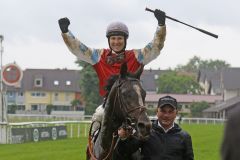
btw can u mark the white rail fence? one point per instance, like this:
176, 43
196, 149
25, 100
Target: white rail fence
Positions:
73, 128
44, 117
80, 127
202, 120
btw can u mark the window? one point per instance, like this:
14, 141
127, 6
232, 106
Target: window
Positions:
10, 94
68, 83
34, 107
20, 94
38, 94
56, 96
21, 107
56, 83
38, 82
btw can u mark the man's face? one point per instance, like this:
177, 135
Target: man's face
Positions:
117, 43
166, 115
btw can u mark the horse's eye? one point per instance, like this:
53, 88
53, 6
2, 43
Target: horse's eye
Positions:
127, 94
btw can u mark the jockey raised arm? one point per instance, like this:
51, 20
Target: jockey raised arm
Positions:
107, 62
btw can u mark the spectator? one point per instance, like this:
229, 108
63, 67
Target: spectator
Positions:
180, 119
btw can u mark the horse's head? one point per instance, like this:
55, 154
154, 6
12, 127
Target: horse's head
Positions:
128, 100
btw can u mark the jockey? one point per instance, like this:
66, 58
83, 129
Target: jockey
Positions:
107, 62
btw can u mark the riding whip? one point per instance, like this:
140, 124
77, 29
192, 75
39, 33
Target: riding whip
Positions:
201, 30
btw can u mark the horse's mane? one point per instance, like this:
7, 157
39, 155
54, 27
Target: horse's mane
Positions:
111, 80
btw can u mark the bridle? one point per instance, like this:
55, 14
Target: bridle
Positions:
123, 106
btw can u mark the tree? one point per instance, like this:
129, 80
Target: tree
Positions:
12, 108
76, 104
197, 108
49, 108
89, 87
196, 63
174, 82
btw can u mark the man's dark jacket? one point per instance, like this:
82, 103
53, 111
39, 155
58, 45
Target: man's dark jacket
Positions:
176, 144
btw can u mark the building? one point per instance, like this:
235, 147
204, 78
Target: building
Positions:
184, 100
230, 87
40, 88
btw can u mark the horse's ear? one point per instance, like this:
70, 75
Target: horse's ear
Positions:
123, 70
137, 73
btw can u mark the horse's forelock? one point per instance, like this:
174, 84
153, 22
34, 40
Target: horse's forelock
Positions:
124, 70
112, 79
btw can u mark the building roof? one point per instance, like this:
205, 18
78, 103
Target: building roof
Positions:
149, 77
213, 77
185, 98
49, 76
223, 105
231, 78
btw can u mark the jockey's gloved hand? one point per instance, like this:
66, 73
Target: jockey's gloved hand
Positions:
124, 133
161, 17
63, 24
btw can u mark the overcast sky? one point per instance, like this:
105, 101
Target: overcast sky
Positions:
32, 36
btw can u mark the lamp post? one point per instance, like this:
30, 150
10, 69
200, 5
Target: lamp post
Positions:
1, 83
3, 113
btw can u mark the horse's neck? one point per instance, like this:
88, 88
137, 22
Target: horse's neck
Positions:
108, 124
106, 133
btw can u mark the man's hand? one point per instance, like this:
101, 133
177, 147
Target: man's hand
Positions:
63, 24
123, 133
161, 17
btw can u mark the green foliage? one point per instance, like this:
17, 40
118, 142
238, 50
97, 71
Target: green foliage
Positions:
151, 111
75, 102
76, 105
197, 108
196, 63
49, 108
172, 82
12, 108
89, 88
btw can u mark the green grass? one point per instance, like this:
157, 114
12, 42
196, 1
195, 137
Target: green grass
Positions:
206, 144
68, 149
206, 140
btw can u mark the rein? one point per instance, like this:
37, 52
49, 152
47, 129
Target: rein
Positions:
90, 145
